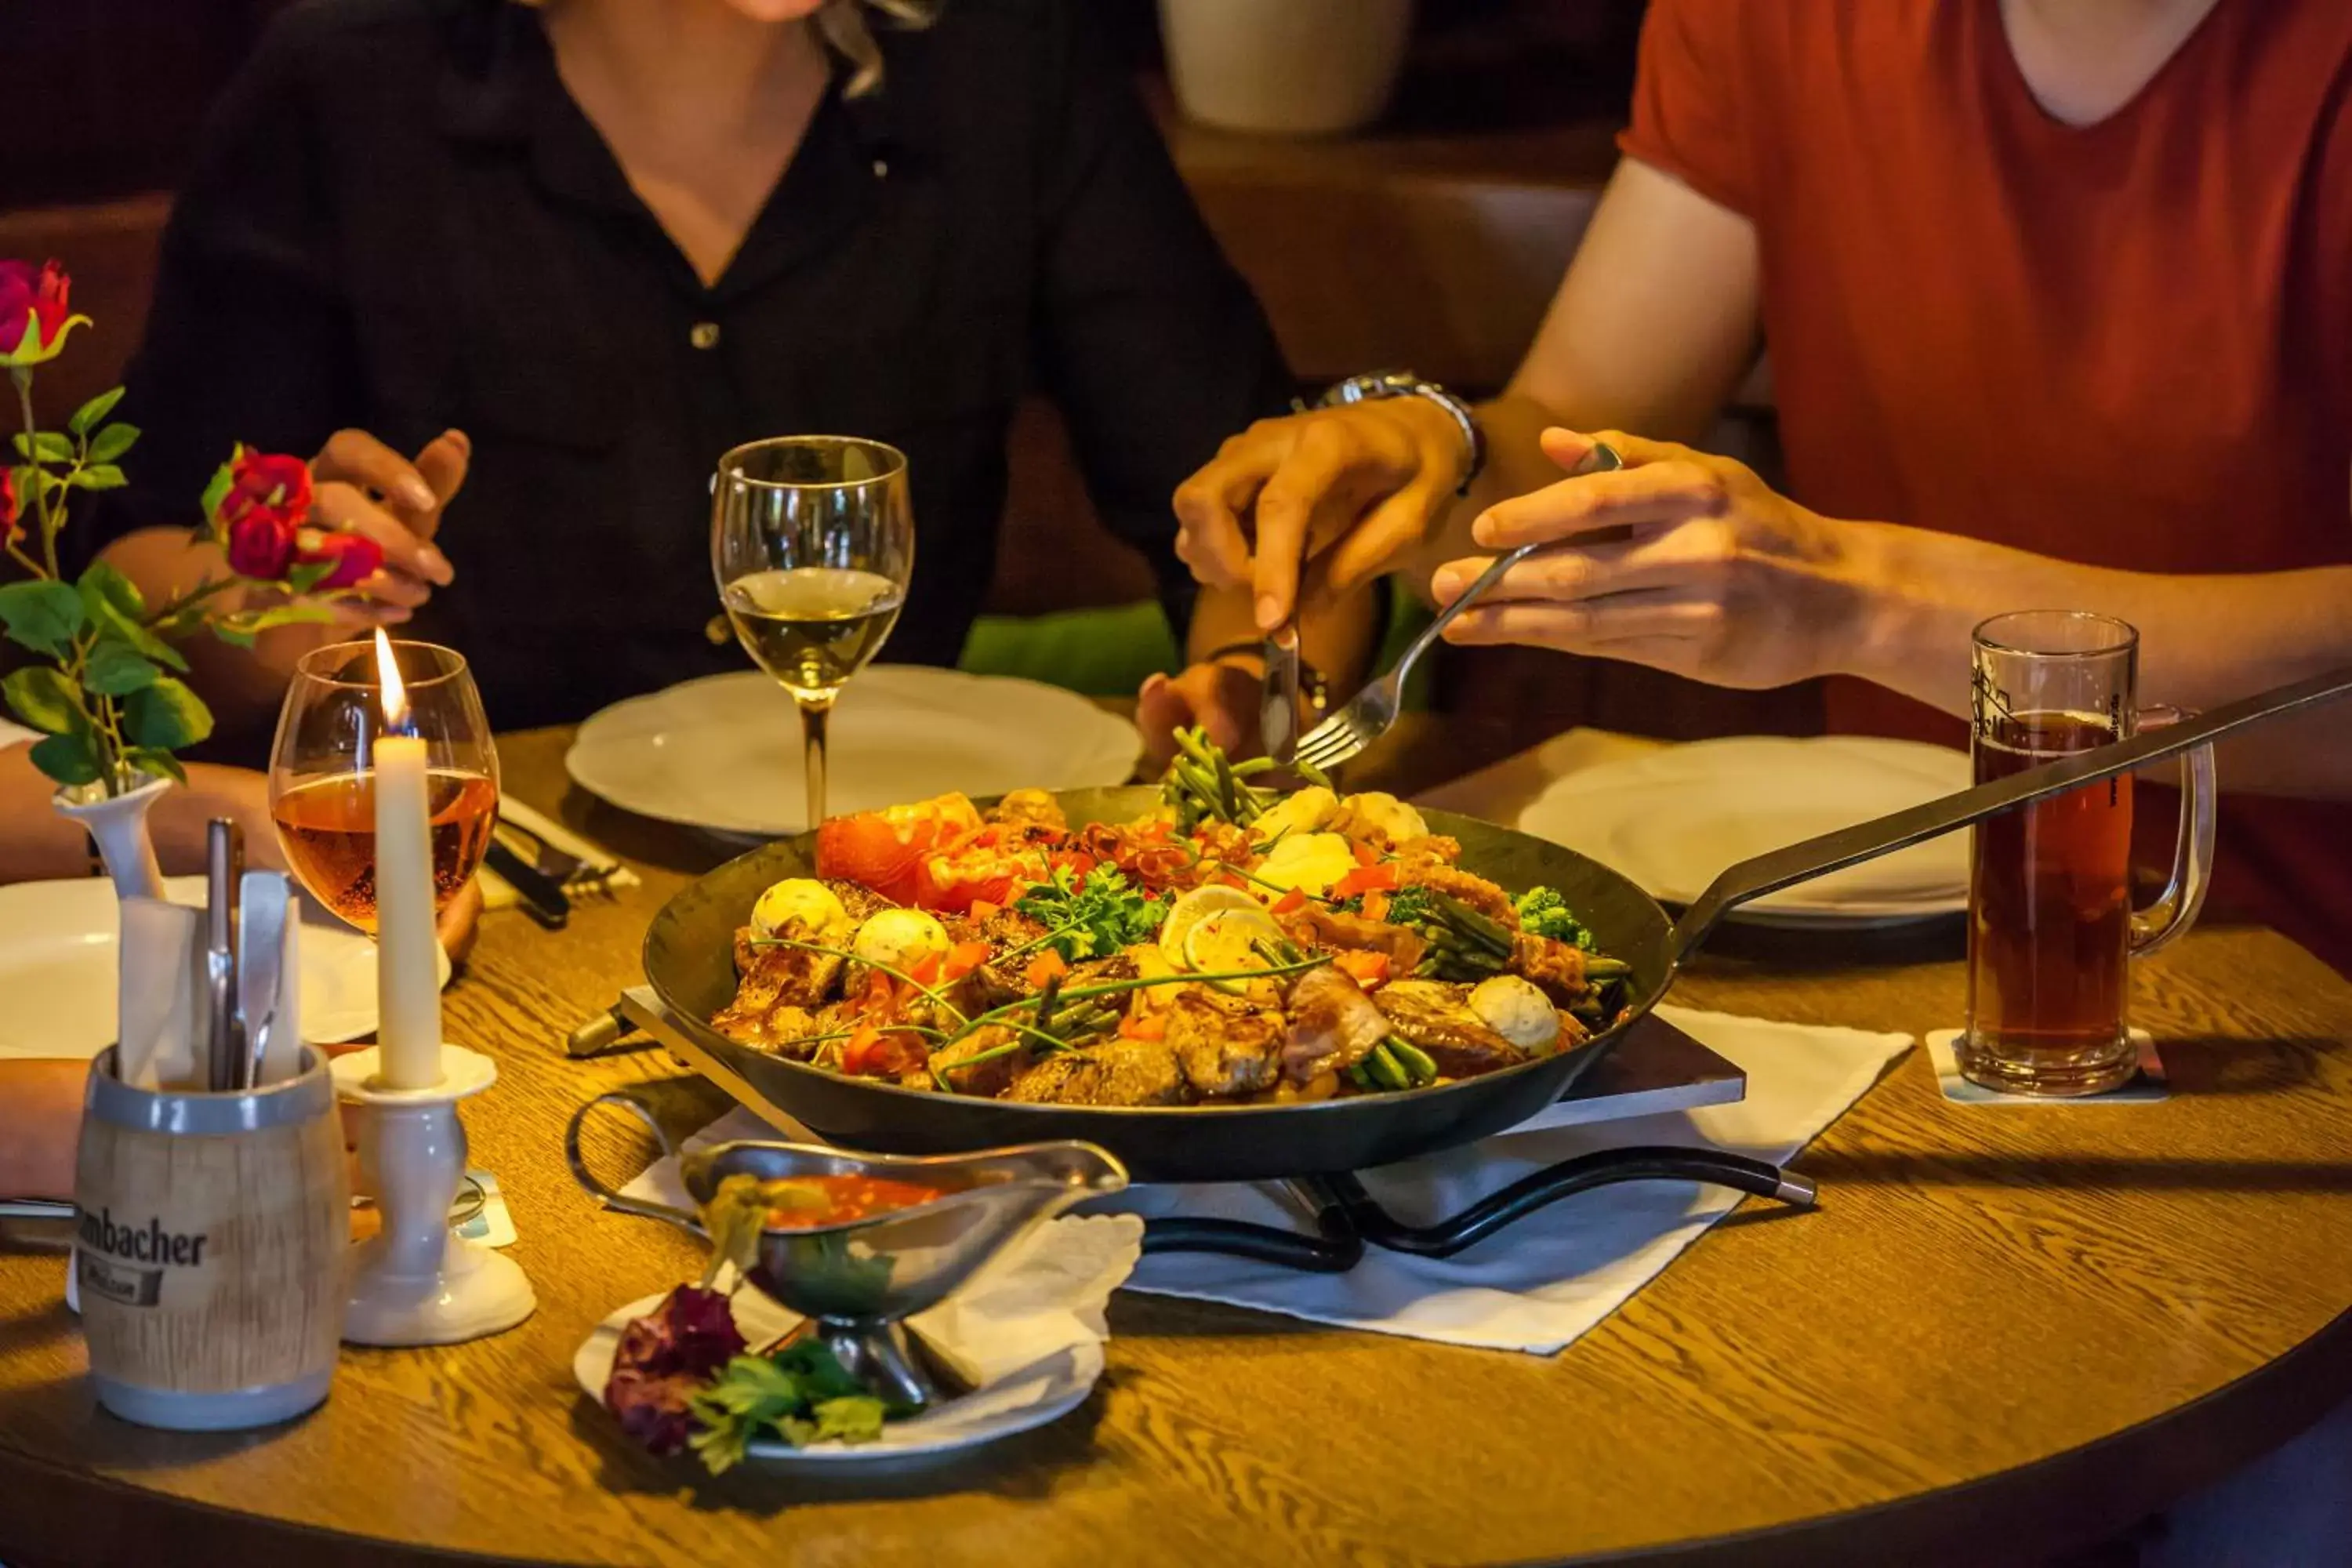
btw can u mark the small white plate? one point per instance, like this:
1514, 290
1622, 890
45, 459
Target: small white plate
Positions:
57, 969
1673, 818
724, 753
1044, 1391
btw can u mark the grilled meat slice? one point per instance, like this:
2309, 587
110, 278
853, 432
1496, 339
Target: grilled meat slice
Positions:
1554, 967
1466, 887
1033, 807
1333, 1025
791, 975
1009, 928
1117, 1072
990, 1078
1436, 1017
1224, 1047
862, 901
1315, 926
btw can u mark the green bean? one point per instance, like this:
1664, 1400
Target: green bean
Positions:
1313, 775
1606, 968
1253, 767
1383, 1068
1418, 1065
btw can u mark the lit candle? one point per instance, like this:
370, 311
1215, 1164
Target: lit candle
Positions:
408, 967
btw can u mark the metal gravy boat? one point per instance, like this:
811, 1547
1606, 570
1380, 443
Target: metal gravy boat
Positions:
857, 1281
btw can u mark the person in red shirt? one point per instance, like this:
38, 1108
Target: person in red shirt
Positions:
2058, 300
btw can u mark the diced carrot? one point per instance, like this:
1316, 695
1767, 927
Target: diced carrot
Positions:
1376, 905
860, 1054
962, 958
1366, 969
1291, 901
1367, 854
1376, 879
927, 973
1044, 967
1153, 1026
981, 909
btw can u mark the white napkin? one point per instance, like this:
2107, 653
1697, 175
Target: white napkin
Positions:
160, 956
1041, 1296
1547, 1280
270, 971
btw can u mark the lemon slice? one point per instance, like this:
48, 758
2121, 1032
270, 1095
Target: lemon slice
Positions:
1195, 907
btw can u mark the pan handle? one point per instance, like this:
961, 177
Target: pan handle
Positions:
1801, 862
685, 1220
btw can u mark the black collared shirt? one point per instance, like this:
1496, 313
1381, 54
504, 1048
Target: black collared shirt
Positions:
400, 221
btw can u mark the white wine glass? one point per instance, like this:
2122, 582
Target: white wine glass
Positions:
811, 540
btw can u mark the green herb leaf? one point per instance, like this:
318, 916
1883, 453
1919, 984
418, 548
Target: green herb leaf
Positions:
104, 584
111, 443
115, 608
86, 418
46, 447
216, 491
42, 697
853, 1418
301, 579
163, 765
167, 715
41, 615
1094, 917
98, 477
68, 759
117, 670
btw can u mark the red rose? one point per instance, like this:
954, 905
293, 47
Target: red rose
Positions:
261, 544
354, 555
34, 318
8, 529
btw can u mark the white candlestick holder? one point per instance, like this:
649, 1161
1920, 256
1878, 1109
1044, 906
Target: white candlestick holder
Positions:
415, 1282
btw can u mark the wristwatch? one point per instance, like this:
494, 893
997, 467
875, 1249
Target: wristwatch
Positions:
1385, 384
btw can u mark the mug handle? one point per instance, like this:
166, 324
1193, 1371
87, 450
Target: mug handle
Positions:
2175, 909
685, 1220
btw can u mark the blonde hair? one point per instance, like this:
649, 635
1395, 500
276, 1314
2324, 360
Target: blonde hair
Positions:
842, 25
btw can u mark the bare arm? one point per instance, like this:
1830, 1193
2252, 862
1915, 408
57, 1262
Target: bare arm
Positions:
40, 1123
37, 843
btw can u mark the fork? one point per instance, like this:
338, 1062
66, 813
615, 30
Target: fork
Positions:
1373, 711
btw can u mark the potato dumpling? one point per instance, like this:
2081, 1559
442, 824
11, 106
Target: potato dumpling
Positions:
805, 903
1308, 861
1304, 812
1385, 814
901, 939
1516, 1010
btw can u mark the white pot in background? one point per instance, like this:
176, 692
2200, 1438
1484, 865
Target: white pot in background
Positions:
1285, 67
119, 823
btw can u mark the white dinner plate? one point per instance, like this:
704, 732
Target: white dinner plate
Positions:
724, 753
57, 975
1044, 1391
1673, 818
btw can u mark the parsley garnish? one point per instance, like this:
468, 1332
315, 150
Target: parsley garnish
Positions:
1092, 917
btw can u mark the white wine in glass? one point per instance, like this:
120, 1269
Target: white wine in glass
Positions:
811, 540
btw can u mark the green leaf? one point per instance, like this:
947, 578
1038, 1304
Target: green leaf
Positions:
98, 477
112, 442
167, 715
87, 416
46, 447
160, 763
68, 759
117, 670
42, 616
103, 584
42, 697
301, 579
853, 1418
238, 630
216, 491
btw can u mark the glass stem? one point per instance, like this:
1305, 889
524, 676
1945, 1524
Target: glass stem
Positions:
814, 714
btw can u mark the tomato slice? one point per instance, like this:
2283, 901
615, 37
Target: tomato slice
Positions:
962, 958
1291, 902
1366, 969
1045, 966
1154, 1027
1380, 878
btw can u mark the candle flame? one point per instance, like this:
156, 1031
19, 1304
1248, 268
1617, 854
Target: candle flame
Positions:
387, 673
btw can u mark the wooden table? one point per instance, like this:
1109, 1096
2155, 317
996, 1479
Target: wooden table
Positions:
2005, 1332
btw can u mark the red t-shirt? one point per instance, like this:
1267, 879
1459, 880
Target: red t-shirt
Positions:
2127, 343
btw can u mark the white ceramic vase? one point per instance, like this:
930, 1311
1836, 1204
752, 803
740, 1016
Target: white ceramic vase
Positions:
118, 825
1286, 67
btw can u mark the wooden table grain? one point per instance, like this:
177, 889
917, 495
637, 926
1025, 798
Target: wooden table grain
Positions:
2005, 1332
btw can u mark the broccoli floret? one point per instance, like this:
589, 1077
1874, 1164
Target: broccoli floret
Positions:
1544, 913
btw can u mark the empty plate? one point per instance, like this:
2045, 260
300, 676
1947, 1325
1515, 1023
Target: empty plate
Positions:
1674, 818
724, 753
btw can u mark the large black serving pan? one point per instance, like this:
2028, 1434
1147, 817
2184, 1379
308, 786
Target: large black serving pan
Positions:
689, 960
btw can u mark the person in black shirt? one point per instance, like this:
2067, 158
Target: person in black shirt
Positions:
562, 257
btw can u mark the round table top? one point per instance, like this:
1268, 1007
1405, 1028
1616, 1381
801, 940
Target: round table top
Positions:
2014, 1328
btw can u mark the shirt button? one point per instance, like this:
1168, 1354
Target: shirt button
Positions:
704, 335
881, 168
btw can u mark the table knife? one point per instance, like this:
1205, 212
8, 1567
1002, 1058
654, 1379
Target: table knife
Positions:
1278, 712
223, 874
543, 896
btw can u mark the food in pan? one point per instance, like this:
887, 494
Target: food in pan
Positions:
1235, 945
